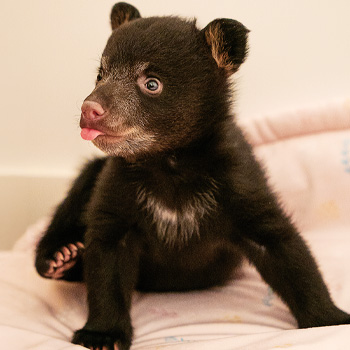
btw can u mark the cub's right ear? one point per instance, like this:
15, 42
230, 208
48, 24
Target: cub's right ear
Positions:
123, 13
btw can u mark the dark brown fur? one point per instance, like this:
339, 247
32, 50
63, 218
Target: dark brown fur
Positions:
180, 198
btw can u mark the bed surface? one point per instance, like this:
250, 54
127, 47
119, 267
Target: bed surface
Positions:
307, 155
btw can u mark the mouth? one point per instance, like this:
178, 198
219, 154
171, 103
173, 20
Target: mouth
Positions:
90, 134
123, 142
90, 131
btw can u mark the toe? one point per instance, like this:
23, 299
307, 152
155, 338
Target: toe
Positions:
59, 258
73, 250
66, 253
59, 263
52, 268
72, 247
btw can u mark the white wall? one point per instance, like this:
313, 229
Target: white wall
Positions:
299, 54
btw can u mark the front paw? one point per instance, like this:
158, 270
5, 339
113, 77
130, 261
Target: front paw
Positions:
102, 341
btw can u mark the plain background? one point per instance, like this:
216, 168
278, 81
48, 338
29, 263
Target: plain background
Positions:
299, 56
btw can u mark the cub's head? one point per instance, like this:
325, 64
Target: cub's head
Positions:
162, 82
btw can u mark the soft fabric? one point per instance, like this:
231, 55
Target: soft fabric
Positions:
307, 155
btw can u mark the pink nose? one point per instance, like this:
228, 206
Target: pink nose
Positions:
92, 110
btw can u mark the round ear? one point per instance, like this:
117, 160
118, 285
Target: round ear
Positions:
227, 39
122, 13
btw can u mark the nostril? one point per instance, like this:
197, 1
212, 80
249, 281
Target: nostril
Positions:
95, 114
92, 110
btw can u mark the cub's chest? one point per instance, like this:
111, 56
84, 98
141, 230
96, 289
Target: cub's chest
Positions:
179, 216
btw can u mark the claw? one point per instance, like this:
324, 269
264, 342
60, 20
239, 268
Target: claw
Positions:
59, 263
66, 253
73, 250
74, 254
80, 245
72, 247
59, 256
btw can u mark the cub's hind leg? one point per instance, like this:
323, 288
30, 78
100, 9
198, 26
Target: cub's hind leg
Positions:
59, 252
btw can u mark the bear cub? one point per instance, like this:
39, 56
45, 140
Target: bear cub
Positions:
179, 199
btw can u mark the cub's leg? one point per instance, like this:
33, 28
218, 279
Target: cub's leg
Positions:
110, 273
59, 252
272, 243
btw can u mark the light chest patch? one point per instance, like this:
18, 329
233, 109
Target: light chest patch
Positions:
174, 226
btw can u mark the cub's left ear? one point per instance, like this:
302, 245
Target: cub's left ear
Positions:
122, 13
227, 39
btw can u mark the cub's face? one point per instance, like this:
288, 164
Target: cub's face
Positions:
155, 91
162, 83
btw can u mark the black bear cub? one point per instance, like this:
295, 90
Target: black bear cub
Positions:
179, 199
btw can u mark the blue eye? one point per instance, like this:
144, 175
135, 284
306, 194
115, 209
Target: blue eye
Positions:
152, 85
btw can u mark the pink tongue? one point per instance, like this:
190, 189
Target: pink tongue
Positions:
90, 134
